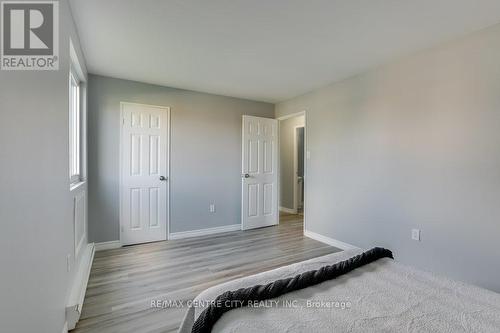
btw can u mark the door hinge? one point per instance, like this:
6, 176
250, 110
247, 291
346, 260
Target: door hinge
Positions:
123, 121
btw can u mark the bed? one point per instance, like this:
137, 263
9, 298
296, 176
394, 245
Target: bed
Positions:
382, 296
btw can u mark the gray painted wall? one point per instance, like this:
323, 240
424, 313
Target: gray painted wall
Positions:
287, 137
413, 144
205, 154
35, 201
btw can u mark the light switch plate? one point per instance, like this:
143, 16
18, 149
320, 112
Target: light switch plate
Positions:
415, 234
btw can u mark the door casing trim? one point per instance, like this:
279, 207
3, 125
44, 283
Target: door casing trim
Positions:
301, 113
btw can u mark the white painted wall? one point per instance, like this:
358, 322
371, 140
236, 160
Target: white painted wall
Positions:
36, 206
413, 144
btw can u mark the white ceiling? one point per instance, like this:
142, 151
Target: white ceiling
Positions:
267, 50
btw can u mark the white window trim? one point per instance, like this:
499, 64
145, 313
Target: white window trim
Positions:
76, 73
75, 162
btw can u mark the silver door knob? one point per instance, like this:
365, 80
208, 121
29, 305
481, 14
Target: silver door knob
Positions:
246, 175
162, 178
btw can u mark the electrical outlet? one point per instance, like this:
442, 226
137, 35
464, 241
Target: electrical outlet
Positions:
211, 208
415, 234
68, 262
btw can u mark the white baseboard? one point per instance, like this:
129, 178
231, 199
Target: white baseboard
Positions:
330, 241
204, 232
108, 245
79, 287
288, 210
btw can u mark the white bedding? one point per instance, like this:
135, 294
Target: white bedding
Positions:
384, 296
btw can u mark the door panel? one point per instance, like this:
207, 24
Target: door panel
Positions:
259, 161
253, 156
269, 154
154, 207
144, 154
135, 208
154, 155
253, 199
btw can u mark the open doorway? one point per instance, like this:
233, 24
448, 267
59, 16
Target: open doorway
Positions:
292, 168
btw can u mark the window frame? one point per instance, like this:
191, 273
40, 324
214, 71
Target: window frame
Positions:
75, 125
76, 77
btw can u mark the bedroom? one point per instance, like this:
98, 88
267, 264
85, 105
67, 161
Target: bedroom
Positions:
143, 165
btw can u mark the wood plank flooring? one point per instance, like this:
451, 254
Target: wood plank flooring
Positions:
124, 281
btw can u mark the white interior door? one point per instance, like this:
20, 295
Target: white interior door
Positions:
144, 173
259, 173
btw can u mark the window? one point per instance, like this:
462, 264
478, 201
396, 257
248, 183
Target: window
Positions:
74, 129
77, 121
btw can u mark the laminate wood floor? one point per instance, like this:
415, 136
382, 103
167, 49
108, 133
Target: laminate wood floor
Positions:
124, 281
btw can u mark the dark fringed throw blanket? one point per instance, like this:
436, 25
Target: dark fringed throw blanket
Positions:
241, 297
